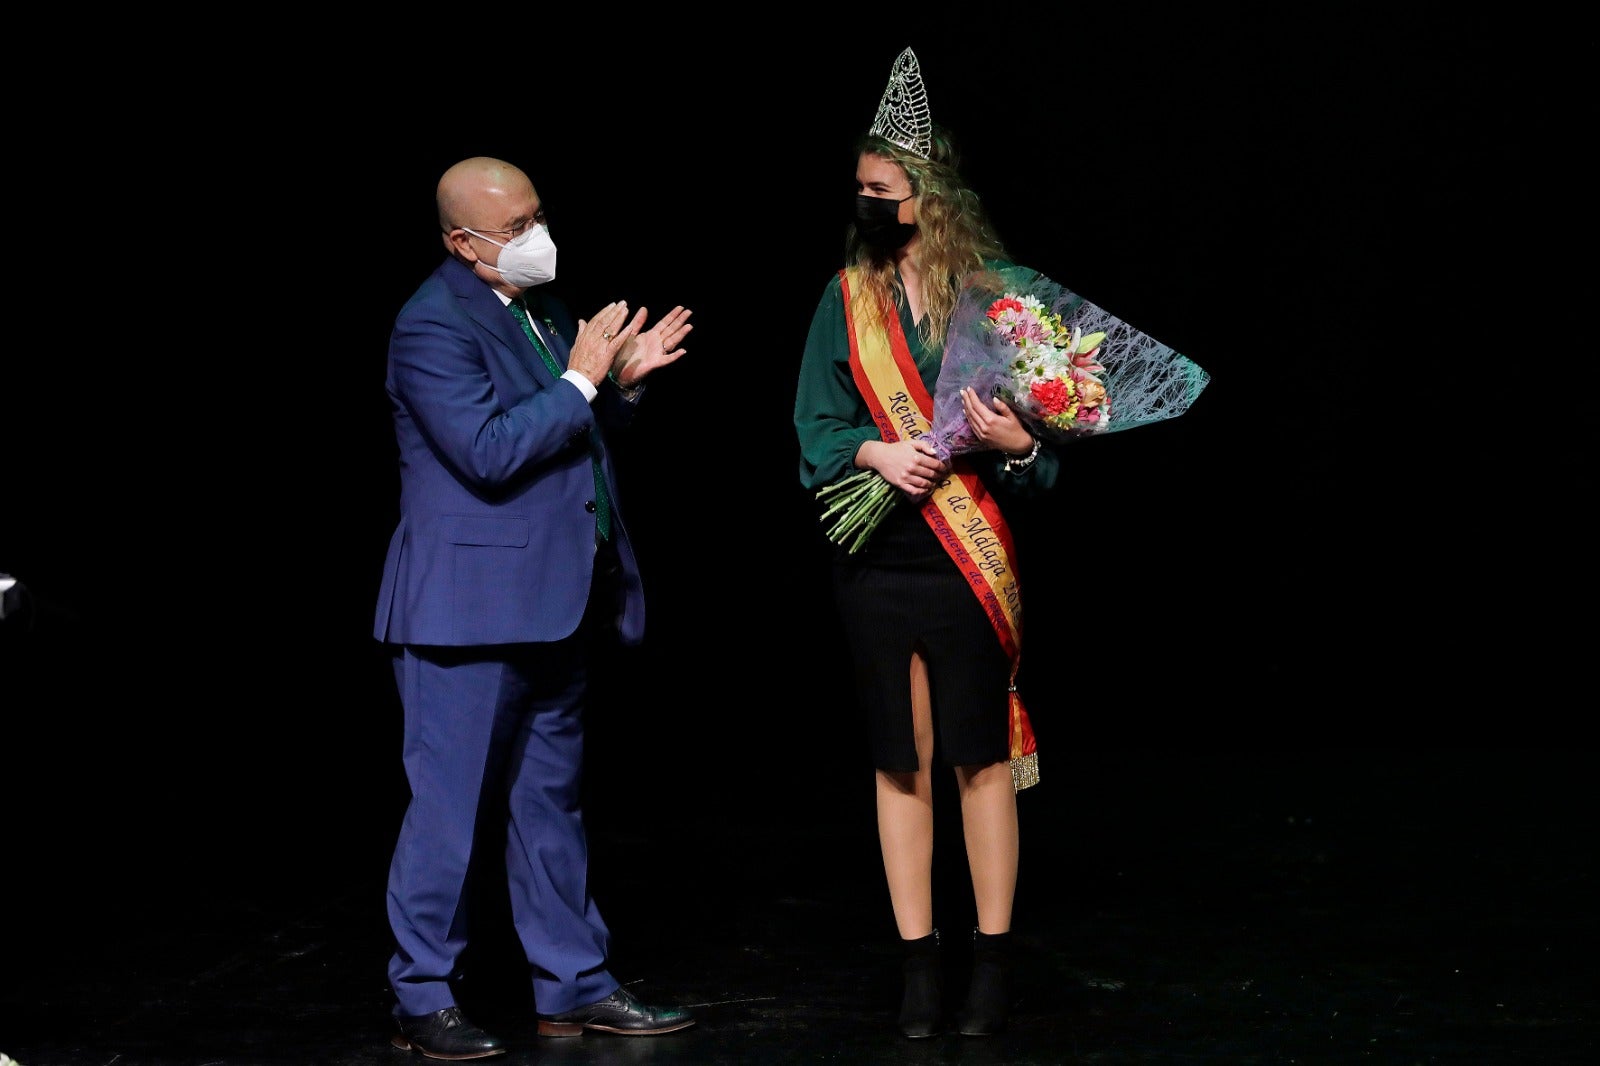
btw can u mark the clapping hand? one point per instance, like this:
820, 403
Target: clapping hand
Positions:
655, 347
601, 338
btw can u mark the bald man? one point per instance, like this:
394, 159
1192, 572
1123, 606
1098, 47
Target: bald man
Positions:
511, 559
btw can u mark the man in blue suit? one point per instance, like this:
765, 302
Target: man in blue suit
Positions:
510, 558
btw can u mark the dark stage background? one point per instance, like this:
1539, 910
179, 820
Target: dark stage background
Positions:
199, 478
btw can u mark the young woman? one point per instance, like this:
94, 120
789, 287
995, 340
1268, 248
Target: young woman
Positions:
929, 605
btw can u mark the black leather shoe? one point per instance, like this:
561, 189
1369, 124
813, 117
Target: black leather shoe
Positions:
445, 1034
617, 1013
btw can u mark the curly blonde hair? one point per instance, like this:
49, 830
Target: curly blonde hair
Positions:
957, 237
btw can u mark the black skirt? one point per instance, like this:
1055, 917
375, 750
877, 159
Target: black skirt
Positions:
902, 592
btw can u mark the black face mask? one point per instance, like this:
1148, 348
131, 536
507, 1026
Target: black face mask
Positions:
878, 223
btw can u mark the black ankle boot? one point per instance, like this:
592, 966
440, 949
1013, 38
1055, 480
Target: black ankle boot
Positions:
988, 996
922, 1007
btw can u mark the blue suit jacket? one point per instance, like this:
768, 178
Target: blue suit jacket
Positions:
496, 538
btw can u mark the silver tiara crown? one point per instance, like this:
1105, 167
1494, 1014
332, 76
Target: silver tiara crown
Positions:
903, 117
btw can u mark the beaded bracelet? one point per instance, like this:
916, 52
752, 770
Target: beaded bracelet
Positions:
1015, 464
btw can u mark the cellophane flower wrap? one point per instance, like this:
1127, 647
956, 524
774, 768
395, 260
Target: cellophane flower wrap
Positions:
1067, 367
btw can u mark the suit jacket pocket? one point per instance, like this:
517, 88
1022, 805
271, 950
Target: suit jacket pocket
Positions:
501, 531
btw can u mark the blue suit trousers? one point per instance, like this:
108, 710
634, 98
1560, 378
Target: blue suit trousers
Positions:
495, 732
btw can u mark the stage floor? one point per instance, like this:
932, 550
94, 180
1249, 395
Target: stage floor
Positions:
1362, 906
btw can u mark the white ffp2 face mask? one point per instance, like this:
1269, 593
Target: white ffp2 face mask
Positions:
529, 259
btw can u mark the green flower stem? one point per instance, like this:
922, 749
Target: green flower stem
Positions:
845, 502
864, 498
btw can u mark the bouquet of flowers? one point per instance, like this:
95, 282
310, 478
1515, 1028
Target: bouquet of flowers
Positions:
1067, 368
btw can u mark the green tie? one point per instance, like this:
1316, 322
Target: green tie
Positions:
602, 501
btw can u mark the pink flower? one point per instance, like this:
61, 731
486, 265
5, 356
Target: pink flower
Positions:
1088, 361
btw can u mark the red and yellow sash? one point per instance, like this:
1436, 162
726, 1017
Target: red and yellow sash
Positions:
961, 511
